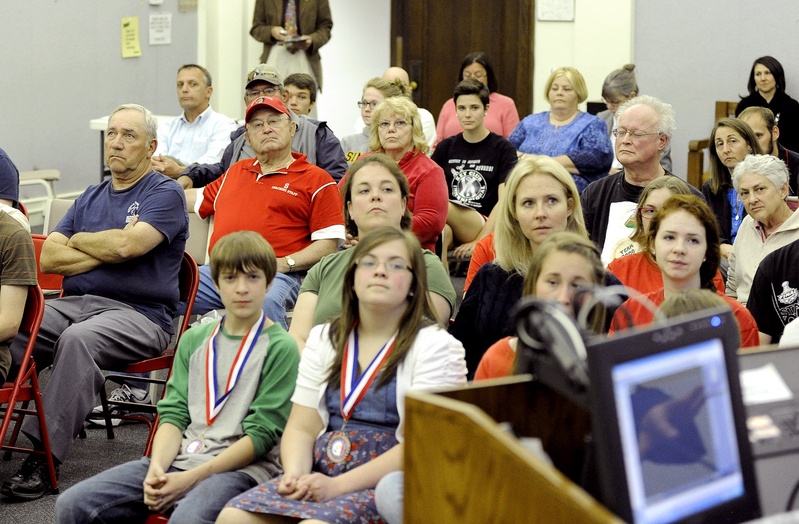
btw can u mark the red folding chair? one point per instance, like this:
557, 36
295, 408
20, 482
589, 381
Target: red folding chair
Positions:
50, 285
25, 388
49, 282
189, 282
22, 208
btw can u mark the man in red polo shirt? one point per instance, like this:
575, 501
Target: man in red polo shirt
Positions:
292, 203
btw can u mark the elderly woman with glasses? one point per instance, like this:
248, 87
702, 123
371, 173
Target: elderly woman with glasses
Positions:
762, 184
576, 140
396, 130
375, 91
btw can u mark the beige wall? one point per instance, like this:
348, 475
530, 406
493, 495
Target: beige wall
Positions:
598, 41
358, 50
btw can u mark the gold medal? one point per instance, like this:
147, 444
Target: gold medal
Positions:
338, 447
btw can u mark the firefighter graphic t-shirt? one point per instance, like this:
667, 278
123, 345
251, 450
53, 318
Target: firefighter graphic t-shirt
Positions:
474, 171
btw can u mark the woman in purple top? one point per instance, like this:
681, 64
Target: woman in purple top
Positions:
576, 140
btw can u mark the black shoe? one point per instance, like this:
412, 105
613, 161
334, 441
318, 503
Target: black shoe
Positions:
31, 480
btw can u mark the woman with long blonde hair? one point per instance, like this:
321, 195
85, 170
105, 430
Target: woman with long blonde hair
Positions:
540, 200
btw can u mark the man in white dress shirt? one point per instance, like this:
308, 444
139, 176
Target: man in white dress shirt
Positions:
199, 135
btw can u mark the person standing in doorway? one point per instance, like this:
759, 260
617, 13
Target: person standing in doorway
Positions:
298, 25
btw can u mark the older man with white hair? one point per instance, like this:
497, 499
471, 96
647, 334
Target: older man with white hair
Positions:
645, 128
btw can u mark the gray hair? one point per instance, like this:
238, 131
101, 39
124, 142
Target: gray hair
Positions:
768, 166
620, 82
150, 122
666, 121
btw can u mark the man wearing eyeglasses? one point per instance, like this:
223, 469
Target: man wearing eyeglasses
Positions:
645, 128
292, 203
312, 138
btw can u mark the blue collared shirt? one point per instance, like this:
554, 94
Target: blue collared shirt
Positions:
202, 141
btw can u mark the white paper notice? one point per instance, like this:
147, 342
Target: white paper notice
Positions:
160, 28
764, 385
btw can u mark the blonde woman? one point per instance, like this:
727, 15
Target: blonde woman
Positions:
576, 140
375, 91
540, 200
513, 245
396, 130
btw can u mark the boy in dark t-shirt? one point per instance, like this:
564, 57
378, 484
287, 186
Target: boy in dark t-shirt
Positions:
476, 164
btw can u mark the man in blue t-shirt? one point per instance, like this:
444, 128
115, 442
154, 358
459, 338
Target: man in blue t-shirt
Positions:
119, 248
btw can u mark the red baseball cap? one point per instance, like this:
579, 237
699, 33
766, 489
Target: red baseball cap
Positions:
265, 101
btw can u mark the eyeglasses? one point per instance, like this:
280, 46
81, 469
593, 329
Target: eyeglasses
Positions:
393, 264
634, 134
647, 211
398, 124
364, 103
273, 122
267, 91
479, 75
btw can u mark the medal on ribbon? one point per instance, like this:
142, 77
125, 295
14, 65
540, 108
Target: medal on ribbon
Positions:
353, 389
338, 447
213, 401
195, 446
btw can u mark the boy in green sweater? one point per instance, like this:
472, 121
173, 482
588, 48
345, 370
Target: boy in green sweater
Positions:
223, 413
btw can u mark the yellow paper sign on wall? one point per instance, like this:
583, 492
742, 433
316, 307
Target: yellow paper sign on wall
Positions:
131, 48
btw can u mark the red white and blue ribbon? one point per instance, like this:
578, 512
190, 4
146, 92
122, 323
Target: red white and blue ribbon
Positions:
213, 401
354, 387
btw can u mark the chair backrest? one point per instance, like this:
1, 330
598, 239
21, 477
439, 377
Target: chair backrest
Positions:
55, 211
725, 109
189, 282
29, 325
34, 312
199, 235
49, 282
24, 210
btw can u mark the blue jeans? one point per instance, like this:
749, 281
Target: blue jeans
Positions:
282, 295
117, 495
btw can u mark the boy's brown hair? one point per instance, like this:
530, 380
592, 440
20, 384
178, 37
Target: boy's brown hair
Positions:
242, 252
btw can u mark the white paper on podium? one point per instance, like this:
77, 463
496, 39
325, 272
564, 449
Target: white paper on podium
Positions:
764, 385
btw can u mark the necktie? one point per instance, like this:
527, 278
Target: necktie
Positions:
291, 17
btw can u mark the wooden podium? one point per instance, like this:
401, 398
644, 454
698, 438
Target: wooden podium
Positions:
462, 467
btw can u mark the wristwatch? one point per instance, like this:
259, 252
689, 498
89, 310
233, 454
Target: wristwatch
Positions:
290, 261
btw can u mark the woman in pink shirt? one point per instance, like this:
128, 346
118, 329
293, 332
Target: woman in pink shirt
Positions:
502, 116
